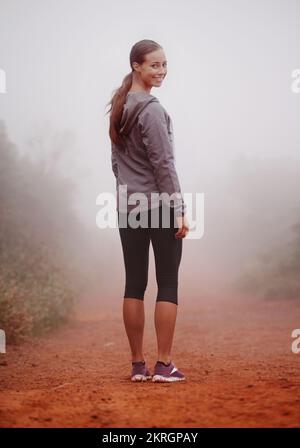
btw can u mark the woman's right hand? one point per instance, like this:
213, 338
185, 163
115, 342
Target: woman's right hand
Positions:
183, 225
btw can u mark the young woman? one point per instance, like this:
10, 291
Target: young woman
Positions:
143, 162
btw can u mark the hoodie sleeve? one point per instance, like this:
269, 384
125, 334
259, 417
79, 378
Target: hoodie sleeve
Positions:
114, 163
160, 151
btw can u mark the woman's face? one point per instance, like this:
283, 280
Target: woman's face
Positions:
154, 69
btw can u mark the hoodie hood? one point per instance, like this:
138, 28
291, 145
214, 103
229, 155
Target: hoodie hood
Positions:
135, 103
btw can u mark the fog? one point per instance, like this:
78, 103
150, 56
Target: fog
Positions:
228, 92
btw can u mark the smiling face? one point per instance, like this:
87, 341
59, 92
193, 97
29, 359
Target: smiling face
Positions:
153, 70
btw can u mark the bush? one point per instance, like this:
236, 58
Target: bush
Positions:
38, 228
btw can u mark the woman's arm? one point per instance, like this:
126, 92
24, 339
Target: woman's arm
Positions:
159, 148
114, 163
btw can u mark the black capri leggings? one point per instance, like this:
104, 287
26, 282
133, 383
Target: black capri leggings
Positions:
167, 253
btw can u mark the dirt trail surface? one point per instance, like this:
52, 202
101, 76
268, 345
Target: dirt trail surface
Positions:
236, 354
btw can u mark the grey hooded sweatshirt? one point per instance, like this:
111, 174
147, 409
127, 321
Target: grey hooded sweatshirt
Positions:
147, 165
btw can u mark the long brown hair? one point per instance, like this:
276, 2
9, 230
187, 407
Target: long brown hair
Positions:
137, 54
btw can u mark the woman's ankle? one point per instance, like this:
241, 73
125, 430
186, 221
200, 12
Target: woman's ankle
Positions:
138, 359
163, 359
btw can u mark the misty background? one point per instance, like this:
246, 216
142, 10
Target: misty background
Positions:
235, 119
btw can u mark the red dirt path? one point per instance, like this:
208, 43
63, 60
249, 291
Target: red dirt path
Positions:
236, 354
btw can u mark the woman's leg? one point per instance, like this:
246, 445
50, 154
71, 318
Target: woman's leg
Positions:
135, 245
167, 252
165, 319
134, 320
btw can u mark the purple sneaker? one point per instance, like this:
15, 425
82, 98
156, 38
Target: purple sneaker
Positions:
163, 373
140, 371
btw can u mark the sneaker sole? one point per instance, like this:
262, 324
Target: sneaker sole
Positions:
140, 377
166, 379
